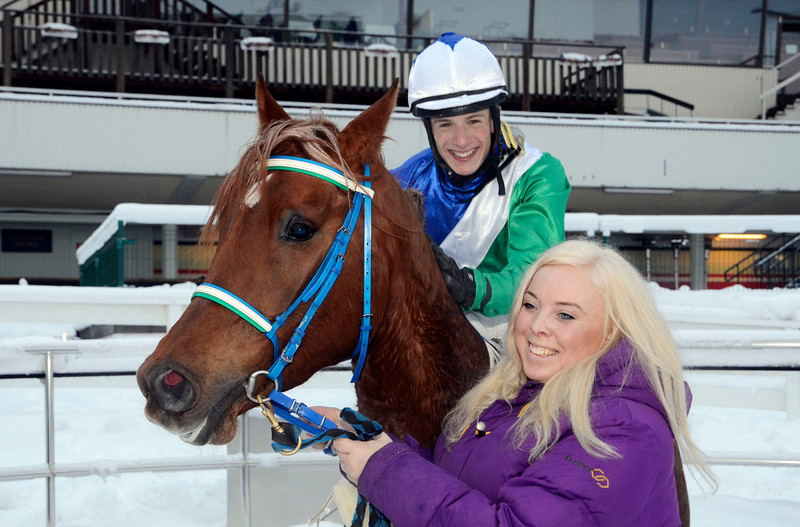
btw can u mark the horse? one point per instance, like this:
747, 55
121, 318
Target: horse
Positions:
273, 225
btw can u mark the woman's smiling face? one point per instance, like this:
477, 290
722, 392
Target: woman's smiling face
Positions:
561, 321
463, 141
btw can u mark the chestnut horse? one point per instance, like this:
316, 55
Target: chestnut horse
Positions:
274, 226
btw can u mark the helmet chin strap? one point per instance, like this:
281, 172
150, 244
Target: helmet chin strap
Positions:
490, 163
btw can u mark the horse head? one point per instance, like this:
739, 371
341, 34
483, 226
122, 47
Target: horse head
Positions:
278, 220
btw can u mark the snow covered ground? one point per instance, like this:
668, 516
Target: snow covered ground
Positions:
101, 421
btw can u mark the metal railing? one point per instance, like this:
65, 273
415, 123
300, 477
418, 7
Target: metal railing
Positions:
774, 264
245, 461
52, 470
662, 99
111, 54
781, 85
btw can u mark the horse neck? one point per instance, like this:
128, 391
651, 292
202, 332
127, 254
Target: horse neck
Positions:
424, 354
418, 367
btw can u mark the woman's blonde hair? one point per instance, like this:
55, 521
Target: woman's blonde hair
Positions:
631, 313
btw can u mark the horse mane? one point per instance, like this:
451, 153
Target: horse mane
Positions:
313, 138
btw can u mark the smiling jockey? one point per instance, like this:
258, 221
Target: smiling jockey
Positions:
493, 203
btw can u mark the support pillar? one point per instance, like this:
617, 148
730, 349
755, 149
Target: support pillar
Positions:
169, 251
699, 259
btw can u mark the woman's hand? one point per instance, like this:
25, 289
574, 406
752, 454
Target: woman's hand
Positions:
353, 455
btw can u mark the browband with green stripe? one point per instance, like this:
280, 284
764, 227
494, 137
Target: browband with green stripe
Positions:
312, 168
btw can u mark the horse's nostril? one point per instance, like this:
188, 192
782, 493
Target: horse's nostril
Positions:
176, 396
171, 390
173, 379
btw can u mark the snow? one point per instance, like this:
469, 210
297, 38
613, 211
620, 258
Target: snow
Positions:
699, 224
55, 29
584, 61
102, 436
257, 44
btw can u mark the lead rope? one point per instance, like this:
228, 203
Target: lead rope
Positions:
287, 440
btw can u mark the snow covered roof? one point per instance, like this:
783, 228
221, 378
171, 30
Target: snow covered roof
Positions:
142, 214
699, 224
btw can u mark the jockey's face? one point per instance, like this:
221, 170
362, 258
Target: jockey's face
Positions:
463, 141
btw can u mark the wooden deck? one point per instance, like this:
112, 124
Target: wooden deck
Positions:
121, 54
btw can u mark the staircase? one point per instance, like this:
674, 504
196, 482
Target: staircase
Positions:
776, 263
791, 112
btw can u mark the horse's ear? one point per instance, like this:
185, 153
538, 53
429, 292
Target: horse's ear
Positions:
268, 108
362, 137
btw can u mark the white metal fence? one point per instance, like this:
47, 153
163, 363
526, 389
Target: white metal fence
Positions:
244, 459
761, 347
241, 457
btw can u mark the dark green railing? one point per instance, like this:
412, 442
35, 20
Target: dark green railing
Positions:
106, 267
776, 263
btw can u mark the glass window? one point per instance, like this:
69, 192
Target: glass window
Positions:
621, 23
27, 241
499, 19
783, 37
381, 17
706, 31
605, 23
683, 31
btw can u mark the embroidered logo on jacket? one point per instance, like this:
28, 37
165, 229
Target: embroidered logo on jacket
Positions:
596, 473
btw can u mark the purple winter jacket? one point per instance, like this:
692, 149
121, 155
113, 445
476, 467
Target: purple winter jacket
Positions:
484, 481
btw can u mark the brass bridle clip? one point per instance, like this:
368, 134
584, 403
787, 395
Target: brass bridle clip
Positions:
280, 435
283, 434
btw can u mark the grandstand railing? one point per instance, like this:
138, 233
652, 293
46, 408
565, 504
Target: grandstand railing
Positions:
125, 54
658, 245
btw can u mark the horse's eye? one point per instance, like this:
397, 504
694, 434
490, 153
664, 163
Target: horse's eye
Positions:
298, 231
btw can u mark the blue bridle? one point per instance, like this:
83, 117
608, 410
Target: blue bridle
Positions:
316, 290
287, 440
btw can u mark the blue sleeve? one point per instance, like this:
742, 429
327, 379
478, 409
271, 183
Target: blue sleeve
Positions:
408, 172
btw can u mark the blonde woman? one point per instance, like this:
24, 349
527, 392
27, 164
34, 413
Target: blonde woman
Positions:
575, 425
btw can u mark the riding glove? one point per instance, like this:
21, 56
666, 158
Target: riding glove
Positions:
460, 281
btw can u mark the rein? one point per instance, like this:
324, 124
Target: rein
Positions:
316, 291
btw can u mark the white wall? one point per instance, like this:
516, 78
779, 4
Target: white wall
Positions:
715, 91
59, 264
170, 138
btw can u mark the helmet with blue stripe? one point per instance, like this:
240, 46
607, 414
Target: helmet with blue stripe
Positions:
455, 75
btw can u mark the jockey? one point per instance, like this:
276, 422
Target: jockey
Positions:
493, 203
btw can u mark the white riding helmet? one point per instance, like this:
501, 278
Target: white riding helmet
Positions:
454, 75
